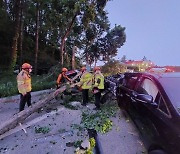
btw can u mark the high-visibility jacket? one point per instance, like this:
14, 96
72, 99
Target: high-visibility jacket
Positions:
62, 78
86, 80
24, 82
98, 80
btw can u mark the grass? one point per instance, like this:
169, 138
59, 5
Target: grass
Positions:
8, 84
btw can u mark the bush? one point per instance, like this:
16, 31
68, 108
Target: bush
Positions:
8, 84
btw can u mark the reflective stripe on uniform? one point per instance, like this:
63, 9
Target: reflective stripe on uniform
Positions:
24, 82
86, 80
98, 81
20, 82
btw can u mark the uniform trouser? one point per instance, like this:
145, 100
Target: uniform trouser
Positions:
98, 99
85, 96
24, 99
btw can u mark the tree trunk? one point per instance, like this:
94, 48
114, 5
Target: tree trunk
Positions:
15, 38
62, 51
37, 37
87, 59
64, 39
95, 62
21, 33
5, 4
74, 49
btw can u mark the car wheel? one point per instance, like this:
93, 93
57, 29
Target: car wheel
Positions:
157, 151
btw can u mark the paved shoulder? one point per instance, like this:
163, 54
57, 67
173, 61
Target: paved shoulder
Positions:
123, 138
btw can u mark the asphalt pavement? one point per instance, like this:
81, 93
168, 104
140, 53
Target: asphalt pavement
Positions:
122, 139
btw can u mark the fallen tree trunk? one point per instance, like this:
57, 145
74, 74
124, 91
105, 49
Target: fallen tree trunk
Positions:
29, 123
21, 116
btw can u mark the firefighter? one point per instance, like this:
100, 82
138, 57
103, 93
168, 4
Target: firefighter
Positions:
62, 78
98, 86
85, 84
24, 85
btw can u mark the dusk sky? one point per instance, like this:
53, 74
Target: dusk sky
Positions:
152, 29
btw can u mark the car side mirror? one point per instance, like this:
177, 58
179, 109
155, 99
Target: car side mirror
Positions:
144, 98
148, 99
154, 104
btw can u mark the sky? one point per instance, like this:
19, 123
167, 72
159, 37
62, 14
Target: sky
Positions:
152, 29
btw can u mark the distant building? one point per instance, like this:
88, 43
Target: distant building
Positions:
139, 65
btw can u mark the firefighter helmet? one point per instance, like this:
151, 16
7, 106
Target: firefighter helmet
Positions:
64, 69
96, 68
83, 68
26, 66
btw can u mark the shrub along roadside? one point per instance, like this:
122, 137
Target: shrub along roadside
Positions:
8, 84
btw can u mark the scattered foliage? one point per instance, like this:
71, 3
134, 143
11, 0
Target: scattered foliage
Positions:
43, 130
100, 121
53, 142
61, 130
77, 143
92, 145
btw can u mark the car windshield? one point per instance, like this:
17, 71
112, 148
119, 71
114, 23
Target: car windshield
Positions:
172, 88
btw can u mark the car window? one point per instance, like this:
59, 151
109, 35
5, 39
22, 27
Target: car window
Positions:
162, 106
148, 87
171, 86
130, 82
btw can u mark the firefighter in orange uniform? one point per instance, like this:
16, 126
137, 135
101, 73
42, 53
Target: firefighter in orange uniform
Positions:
62, 78
24, 85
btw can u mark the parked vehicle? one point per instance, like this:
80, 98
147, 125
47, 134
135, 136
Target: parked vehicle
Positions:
110, 85
153, 102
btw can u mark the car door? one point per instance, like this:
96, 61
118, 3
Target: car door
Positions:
158, 119
124, 90
163, 122
145, 86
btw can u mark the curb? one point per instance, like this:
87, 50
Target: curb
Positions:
16, 97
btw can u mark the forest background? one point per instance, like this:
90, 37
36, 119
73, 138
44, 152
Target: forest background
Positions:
48, 33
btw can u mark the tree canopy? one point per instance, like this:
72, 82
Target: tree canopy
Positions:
113, 67
44, 32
